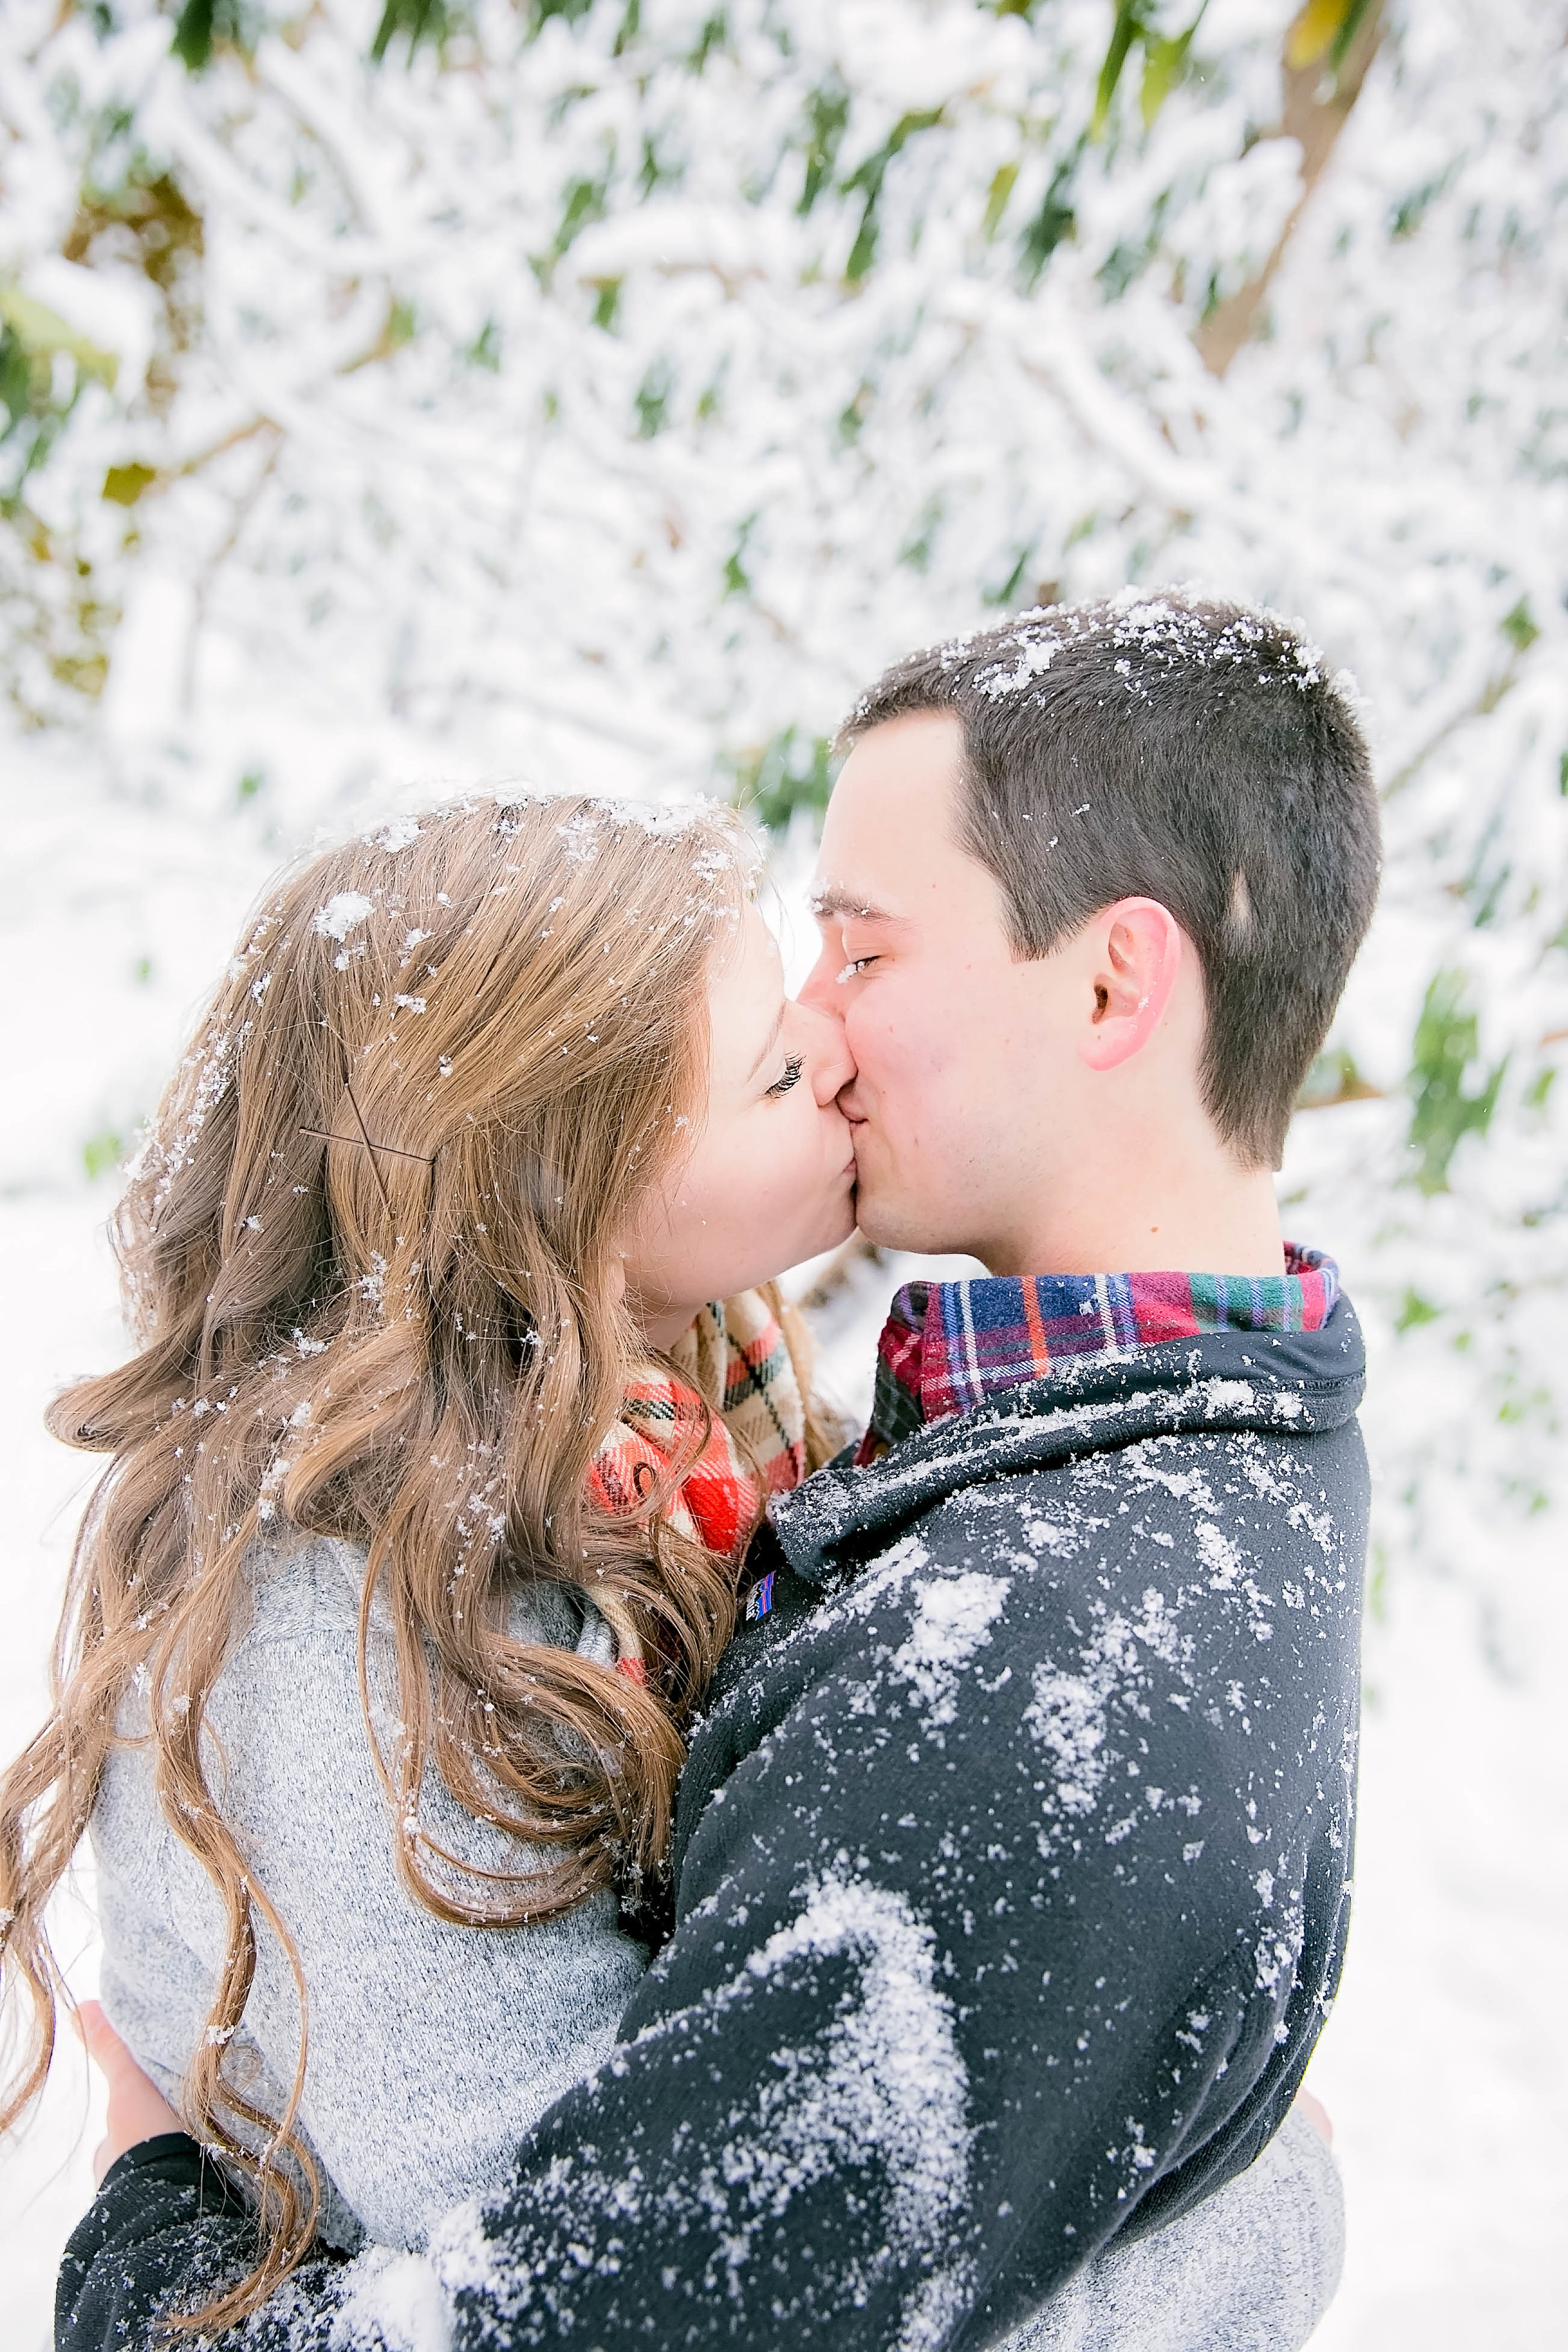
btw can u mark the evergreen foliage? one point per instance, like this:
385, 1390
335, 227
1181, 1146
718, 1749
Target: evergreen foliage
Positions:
606, 389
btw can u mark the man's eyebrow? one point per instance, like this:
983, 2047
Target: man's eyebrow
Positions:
835, 901
769, 1041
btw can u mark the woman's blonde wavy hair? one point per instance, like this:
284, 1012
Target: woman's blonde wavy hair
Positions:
369, 1259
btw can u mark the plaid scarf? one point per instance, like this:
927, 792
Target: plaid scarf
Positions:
948, 1346
734, 1360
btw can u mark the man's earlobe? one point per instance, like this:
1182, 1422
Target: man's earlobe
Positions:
1137, 948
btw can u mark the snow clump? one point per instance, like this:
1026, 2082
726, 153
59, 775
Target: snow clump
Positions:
343, 912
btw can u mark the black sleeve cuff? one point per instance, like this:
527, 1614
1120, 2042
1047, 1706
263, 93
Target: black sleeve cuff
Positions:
175, 2160
174, 2157
165, 2219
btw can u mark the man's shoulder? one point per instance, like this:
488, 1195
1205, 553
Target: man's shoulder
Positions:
1271, 1416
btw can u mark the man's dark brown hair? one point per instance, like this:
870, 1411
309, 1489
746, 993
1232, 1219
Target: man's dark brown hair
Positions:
1166, 746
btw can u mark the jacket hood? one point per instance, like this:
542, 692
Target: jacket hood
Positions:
1282, 1384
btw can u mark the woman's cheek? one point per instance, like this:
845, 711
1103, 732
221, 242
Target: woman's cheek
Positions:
780, 1184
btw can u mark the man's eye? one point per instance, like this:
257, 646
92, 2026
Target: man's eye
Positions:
794, 1064
854, 964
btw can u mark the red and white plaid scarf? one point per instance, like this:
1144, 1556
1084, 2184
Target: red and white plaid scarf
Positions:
734, 1359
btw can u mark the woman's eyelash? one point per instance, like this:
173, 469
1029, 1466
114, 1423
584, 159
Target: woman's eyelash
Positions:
854, 964
794, 1064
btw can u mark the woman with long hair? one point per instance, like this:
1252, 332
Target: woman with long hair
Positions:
459, 1386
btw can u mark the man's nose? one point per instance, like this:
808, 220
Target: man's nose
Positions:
821, 992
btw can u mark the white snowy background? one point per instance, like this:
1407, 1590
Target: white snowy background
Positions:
600, 394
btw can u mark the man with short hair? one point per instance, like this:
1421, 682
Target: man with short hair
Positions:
1013, 1855
1090, 885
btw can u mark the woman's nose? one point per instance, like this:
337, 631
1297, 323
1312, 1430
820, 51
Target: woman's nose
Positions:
832, 1063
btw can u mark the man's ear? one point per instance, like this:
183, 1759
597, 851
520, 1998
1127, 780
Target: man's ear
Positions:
1135, 955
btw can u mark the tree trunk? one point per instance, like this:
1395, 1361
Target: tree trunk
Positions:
1318, 98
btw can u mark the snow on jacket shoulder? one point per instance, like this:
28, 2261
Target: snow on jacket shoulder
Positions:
1013, 1865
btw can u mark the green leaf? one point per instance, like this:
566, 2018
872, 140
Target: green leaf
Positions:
1131, 25
1007, 593
1411, 211
737, 579
1164, 62
123, 485
713, 35
996, 200
201, 25
42, 333
418, 21
1054, 220
1446, 1044
1350, 26
863, 252
654, 172
484, 351
570, 11
916, 551
1377, 1589
193, 41
102, 1153
585, 202
852, 416
792, 770
1519, 627
826, 114
1322, 29
868, 179
651, 399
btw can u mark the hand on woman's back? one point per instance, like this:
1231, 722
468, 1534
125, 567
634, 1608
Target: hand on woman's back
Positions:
137, 2108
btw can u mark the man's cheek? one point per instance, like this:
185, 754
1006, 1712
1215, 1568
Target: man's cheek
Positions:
891, 1028
918, 1051
894, 1077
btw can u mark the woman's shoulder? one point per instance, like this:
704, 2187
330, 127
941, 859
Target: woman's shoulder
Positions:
300, 1587
297, 1584
289, 1685
286, 1724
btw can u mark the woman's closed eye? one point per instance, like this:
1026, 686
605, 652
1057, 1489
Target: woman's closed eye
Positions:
855, 965
794, 1064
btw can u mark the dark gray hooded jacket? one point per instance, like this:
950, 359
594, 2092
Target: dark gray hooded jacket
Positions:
1013, 1867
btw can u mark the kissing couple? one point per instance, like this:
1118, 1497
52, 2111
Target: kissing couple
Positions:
584, 1855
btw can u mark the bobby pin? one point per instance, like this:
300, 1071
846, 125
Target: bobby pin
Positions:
361, 1141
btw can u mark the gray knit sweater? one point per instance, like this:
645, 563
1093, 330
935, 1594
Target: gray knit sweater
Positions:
433, 2048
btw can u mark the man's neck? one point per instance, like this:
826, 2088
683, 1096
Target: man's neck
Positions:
1228, 1221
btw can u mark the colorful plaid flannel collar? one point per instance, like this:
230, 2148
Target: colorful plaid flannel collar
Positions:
948, 1346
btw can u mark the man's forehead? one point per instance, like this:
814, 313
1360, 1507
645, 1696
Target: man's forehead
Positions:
889, 832
888, 873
